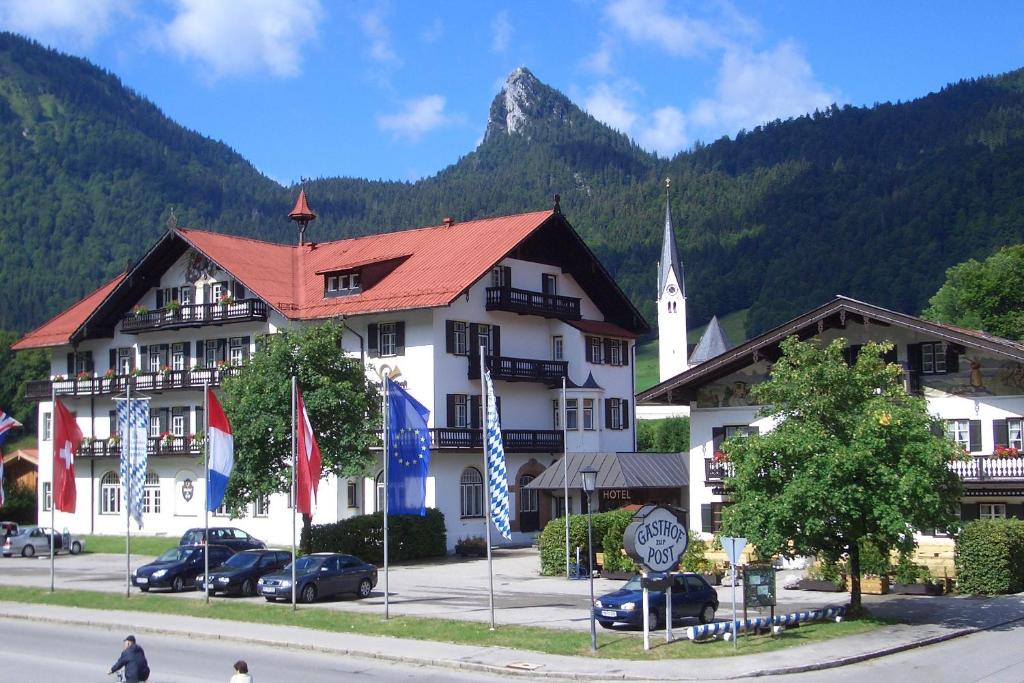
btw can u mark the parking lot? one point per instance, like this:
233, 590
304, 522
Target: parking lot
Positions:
451, 588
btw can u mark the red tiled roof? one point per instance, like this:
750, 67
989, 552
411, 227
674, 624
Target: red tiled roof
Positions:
58, 330
602, 328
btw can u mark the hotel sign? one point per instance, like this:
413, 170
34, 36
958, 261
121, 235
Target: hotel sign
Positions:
656, 538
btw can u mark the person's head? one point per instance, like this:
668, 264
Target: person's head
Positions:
241, 667
129, 641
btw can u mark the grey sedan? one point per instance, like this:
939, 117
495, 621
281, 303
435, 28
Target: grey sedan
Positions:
31, 541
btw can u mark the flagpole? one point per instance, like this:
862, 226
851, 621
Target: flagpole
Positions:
487, 483
565, 477
387, 429
53, 474
295, 494
126, 485
206, 507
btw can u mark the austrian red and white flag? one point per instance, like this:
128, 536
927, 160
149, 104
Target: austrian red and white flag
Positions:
307, 478
66, 439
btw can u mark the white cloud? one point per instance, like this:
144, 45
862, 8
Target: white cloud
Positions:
665, 132
78, 22
501, 32
756, 87
417, 117
600, 60
238, 37
647, 21
608, 105
379, 36
433, 31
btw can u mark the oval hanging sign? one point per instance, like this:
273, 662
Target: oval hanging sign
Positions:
656, 538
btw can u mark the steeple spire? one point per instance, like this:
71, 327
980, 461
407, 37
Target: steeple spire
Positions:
669, 255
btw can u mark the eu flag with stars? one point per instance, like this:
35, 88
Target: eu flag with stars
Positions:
408, 453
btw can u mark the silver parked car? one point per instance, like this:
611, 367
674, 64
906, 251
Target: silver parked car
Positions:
35, 540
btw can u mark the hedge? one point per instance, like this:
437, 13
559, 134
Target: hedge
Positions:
409, 537
552, 539
990, 557
20, 505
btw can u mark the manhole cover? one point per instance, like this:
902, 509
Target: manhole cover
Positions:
523, 666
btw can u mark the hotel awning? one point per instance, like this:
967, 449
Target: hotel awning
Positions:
619, 471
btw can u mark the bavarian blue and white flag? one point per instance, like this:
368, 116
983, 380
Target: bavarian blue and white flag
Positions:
133, 428
497, 476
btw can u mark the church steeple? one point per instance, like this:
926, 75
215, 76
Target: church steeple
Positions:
672, 345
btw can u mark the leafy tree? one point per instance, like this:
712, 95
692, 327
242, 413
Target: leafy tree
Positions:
16, 370
668, 435
984, 295
343, 407
853, 459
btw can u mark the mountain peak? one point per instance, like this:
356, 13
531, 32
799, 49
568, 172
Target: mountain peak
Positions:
521, 100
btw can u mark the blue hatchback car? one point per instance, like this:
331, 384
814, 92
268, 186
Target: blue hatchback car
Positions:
692, 596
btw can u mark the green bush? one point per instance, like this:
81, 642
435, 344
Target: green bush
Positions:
615, 560
20, 505
694, 559
552, 540
990, 557
907, 571
410, 537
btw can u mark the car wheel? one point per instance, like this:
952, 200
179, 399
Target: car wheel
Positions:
654, 620
28, 551
605, 624
144, 589
76, 548
248, 588
177, 585
309, 593
270, 599
707, 614
365, 588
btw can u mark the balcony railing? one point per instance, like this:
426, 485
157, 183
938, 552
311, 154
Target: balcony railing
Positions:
175, 445
513, 440
195, 315
532, 303
988, 468
118, 384
520, 369
716, 472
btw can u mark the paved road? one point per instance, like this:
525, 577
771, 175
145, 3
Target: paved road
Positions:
55, 653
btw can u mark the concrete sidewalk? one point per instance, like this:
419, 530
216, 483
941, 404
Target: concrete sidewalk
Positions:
1004, 612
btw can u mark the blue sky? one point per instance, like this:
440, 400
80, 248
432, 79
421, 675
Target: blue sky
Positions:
401, 89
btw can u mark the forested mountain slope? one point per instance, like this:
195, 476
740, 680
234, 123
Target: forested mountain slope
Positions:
871, 202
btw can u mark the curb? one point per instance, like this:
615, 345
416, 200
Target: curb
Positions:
464, 665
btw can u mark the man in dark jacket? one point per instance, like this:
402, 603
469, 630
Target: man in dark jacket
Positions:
133, 660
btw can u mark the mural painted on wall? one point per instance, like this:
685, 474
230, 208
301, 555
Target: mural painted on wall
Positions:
733, 392
978, 376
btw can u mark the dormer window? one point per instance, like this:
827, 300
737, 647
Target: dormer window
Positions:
342, 284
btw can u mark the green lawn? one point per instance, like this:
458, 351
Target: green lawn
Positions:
141, 545
611, 644
646, 370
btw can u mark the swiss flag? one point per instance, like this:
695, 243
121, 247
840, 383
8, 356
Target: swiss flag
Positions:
66, 439
308, 460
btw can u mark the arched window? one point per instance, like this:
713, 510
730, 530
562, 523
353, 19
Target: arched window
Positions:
471, 489
151, 494
527, 497
110, 494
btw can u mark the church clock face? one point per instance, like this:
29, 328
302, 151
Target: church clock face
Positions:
671, 289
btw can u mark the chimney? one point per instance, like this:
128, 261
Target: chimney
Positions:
302, 216
448, 221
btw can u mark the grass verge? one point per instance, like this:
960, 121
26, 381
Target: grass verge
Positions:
611, 644
141, 545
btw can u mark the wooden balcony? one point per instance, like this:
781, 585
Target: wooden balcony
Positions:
520, 369
989, 468
513, 440
525, 302
716, 472
118, 384
175, 445
195, 315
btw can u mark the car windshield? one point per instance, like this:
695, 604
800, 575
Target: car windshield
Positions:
242, 560
632, 585
305, 564
176, 555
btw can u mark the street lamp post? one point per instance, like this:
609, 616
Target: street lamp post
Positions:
589, 476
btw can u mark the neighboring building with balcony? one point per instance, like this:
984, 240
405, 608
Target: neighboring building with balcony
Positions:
419, 301
972, 381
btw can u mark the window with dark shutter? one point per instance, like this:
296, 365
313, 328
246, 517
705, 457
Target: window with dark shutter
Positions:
625, 414
159, 298
914, 368
201, 353
449, 336
474, 412
450, 411
975, 436
717, 437
371, 341
969, 512
400, 338
625, 352
246, 341
495, 340
607, 344
1000, 433
706, 519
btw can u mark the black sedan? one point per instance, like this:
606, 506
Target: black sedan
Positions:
178, 567
228, 536
242, 570
320, 575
